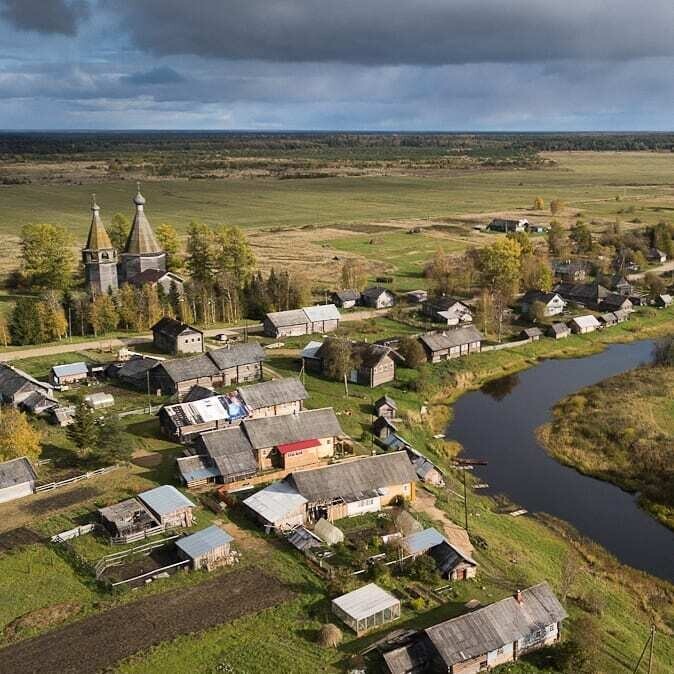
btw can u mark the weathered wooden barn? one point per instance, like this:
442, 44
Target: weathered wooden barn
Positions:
581, 325
447, 310
378, 298
16, 385
273, 398
278, 506
346, 299
206, 549
451, 344
320, 318
176, 337
558, 331
386, 407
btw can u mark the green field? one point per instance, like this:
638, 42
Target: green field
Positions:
588, 182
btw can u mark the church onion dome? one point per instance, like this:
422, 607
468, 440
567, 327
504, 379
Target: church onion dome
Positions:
98, 238
142, 240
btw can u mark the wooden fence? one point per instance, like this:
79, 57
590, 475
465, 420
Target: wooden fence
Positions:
71, 480
155, 572
116, 558
73, 533
506, 345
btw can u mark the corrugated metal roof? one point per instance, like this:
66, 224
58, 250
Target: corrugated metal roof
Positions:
296, 446
366, 601
275, 392
421, 541
322, 312
165, 499
195, 468
274, 502
16, 471
496, 625
204, 541
70, 369
311, 349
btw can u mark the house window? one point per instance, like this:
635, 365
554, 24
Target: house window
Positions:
499, 651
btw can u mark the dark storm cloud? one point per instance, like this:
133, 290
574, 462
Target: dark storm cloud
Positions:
160, 75
400, 31
45, 16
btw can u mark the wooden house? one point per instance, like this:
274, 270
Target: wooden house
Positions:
17, 479
136, 372
68, 374
321, 318
531, 334
206, 549
346, 299
619, 283
283, 442
656, 255
486, 638
570, 271
621, 316
366, 608
616, 302
452, 563
589, 295
447, 310
273, 398
233, 364
558, 331
377, 298
374, 364
386, 407
451, 344
553, 303
169, 507
355, 487
16, 385
176, 337
581, 325
608, 319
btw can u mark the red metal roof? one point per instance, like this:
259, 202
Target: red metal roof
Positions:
296, 446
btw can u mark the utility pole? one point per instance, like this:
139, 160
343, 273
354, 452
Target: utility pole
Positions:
465, 465
649, 642
149, 399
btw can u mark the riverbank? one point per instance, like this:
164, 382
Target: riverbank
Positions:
621, 431
443, 383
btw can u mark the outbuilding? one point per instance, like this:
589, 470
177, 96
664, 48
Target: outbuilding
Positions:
386, 407
279, 506
378, 298
383, 427
663, 301
328, 532
346, 299
99, 401
451, 344
559, 331
17, 479
581, 325
531, 334
366, 608
206, 549
172, 336
69, 373
169, 506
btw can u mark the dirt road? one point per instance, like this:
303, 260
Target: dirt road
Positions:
114, 344
456, 535
661, 269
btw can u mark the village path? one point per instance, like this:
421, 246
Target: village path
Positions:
456, 535
661, 269
117, 343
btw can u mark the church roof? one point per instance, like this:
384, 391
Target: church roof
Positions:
98, 237
142, 240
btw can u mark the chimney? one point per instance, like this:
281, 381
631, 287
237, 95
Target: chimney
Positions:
518, 597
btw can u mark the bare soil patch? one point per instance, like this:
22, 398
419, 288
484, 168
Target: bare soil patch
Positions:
135, 567
63, 500
98, 642
147, 460
41, 619
18, 538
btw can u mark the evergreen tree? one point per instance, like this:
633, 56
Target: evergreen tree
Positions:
84, 431
113, 446
25, 326
255, 293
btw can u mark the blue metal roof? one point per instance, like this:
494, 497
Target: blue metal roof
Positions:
420, 541
70, 369
165, 499
204, 541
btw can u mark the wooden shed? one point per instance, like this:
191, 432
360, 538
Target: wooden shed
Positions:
206, 549
17, 479
169, 506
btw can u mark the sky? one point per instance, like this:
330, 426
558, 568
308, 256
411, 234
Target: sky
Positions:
417, 65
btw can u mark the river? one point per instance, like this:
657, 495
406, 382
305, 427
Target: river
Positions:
498, 424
